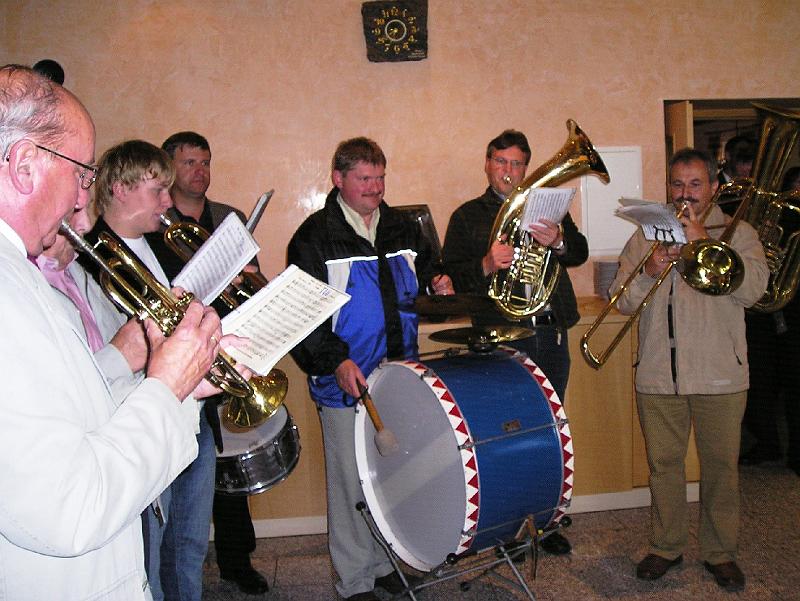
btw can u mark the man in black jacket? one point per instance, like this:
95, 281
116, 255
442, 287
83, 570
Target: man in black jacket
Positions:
471, 266
234, 535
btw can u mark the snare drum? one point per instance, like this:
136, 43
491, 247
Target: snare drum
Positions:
484, 443
255, 460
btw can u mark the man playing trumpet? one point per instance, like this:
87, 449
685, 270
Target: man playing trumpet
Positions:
692, 370
133, 184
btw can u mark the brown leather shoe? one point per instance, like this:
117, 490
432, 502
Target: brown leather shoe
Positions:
727, 575
654, 567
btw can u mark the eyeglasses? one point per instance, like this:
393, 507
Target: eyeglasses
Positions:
501, 162
86, 179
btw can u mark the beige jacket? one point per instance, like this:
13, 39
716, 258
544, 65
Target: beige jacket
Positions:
711, 355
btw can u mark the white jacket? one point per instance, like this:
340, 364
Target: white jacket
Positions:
75, 470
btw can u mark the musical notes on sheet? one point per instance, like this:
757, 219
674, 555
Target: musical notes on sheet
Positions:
279, 316
657, 220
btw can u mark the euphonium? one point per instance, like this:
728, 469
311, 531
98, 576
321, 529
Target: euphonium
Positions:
184, 238
142, 295
533, 267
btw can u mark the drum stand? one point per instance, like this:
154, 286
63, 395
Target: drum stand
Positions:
483, 563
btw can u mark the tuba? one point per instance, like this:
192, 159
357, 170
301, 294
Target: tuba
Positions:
139, 293
533, 265
773, 214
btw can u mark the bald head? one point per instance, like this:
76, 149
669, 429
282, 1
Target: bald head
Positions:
40, 120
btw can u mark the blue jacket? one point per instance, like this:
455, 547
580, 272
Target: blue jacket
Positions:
383, 281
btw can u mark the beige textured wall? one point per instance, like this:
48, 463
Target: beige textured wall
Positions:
275, 85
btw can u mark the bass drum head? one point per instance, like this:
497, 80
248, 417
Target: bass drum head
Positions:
416, 495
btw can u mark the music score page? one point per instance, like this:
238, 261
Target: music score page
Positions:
658, 220
220, 259
279, 316
546, 203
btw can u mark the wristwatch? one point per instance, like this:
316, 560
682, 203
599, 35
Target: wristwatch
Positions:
559, 246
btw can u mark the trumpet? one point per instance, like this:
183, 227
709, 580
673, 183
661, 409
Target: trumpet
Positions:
184, 238
142, 295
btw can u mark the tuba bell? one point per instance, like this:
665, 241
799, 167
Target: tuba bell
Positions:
533, 266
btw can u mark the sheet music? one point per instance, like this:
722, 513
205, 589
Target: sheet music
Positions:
658, 220
279, 316
218, 260
546, 203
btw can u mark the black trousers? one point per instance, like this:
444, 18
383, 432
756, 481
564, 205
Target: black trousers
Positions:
234, 536
774, 356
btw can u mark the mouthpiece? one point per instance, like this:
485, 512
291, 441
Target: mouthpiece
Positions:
165, 220
507, 179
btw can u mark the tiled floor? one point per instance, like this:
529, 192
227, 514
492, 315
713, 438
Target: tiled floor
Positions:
606, 547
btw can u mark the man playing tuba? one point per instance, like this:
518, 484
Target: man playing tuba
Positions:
470, 266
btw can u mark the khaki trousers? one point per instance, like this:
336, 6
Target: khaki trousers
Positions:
666, 422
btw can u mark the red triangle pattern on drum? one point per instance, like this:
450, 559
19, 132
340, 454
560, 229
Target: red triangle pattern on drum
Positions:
468, 459
559, 416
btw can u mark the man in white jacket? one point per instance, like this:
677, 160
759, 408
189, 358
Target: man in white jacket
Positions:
77, 469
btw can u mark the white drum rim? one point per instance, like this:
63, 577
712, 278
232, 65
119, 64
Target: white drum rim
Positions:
469, 465
280, 412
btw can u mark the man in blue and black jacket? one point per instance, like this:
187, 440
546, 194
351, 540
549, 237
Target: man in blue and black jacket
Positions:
357, 243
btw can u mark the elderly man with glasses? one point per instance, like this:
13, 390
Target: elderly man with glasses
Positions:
78, 467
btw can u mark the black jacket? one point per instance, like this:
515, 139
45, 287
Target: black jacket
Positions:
467, 240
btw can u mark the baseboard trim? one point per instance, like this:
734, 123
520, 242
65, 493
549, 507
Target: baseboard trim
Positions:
318, 524
629, 499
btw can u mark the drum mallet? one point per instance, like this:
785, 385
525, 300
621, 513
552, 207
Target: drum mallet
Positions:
385, 440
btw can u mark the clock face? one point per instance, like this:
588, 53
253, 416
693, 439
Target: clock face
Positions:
395, 30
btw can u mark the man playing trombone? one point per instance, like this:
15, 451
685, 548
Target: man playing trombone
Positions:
692, 370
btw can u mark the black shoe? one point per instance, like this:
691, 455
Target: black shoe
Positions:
392, 583
555, 544
758, 455
368, 596
653, 567
727, 576
247, 579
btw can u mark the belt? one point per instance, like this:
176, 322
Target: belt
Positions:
547, 318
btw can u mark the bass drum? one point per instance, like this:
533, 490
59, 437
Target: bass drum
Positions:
256, 459
484, 443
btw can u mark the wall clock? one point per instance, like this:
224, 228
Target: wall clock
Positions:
396, 30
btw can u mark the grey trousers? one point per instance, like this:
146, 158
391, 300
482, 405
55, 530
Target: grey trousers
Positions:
357, 557
666, 421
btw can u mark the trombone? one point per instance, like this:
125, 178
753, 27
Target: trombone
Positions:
249, 402
707, 265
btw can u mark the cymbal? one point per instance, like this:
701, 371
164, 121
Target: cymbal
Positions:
453, 304
484, 335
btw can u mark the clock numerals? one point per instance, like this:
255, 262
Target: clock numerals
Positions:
395, 29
